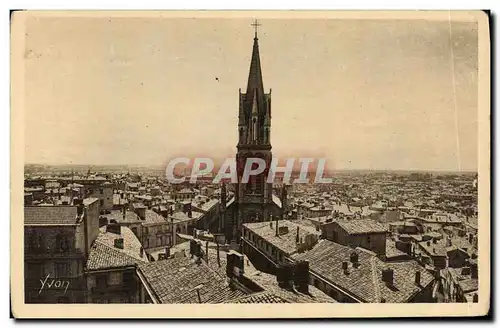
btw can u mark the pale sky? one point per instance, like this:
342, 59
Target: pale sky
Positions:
365, 94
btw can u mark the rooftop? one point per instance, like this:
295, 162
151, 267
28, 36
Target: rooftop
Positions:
180, 216
104, 254
286, 242
177, 280
365, 281
356, 227
270, 284
117, 215
50, 215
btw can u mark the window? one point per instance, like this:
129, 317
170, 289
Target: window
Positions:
62, 243
61, 269
158, 241
368, 240
101, 191
101, 202
114, 278
146, 231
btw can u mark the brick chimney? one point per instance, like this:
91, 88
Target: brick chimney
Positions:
354, 259
297, 240
141, 252
302, 276
417, 278
167, 252
388, 276
114, 228
80, 209
119, 243
235, 264
285, 275
345, 267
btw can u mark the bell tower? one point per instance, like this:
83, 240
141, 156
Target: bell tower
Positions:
253, 199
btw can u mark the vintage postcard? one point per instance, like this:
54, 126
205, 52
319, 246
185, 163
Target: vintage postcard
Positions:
246, 164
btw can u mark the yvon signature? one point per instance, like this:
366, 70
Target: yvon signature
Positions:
53, 284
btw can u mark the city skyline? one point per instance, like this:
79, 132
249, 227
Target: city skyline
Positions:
115, 92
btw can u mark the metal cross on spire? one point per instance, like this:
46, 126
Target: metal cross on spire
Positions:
256, 25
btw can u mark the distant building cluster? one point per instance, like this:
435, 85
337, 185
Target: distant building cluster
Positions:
122, 238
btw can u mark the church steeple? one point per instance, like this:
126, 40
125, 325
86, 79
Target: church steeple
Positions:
255, 105
253, 199
255, 74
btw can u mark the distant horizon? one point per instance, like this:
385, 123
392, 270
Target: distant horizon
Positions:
158, 166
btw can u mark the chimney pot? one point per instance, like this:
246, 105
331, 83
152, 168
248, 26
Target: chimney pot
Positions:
79, 209
114, 228
302, 276
417, 278
354, 258
119, 243
388, 276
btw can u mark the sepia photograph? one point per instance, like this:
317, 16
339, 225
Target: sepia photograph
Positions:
230, 160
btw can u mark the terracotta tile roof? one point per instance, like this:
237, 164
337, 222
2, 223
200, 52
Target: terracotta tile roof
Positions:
176, 280
270, 284
117, 215
391, 251
365, 281
261, 297
50, 215
361, 226
434, 249
103, 253
154, 218
180, 216
285, 242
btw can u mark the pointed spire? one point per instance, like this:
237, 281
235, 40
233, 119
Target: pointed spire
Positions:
255, 75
